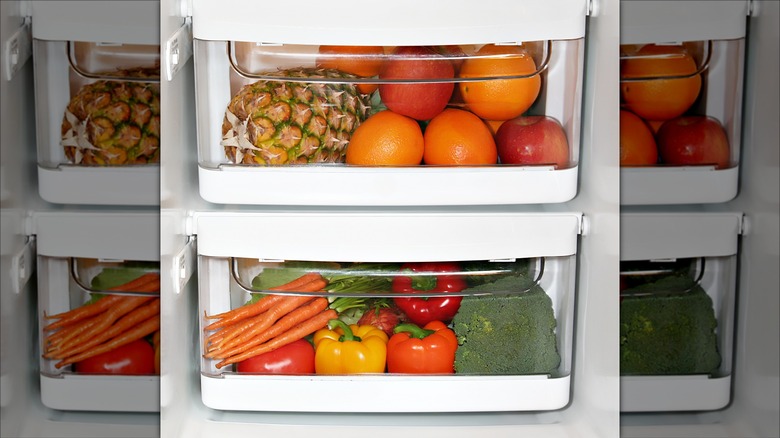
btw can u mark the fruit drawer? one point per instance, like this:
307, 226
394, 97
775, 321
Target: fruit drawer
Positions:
97, 110
503, 327
98, 316
681, 103
437, 122
677, 312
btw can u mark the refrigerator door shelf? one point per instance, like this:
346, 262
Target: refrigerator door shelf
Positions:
453, 394
677, 185
343, 186
674, 393
136, 185
650, 236
361, 24
236, 75
72, 392
643, 21
118, 235
135, 22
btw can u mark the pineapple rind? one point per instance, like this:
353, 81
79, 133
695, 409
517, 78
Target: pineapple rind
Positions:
273, 122
112, 123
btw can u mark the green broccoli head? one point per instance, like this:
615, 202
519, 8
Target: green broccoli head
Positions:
506, 334
665, 334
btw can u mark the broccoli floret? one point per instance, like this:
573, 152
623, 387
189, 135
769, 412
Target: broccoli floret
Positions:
506, 334
668, 333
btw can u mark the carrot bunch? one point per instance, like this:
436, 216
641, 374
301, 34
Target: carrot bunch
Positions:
270, 323
104, 325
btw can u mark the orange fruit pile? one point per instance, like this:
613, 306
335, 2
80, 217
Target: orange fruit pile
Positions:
386, 139
637, 143
671, 86
499, 99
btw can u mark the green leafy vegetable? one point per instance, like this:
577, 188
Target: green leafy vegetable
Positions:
506, 334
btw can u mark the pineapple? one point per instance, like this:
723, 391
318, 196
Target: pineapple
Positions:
111, 123
272, 122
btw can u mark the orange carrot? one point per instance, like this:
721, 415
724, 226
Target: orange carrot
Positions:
261, 322
124, 307
291, 286
146, 283
82, 312
301, 330
63, 335
145, 328
297, 316
125, 323
250, 310
243, 312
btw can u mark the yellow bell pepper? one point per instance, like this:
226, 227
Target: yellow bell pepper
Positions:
343, 349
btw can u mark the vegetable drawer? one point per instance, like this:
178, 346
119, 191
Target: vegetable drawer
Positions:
97, 103
342, 313
681, 101
677, 298
99, 311
359, 116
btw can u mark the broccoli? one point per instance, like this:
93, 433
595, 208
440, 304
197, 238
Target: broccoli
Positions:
506, 334
667, 332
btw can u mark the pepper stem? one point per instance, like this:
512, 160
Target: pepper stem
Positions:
348, 335
414, 330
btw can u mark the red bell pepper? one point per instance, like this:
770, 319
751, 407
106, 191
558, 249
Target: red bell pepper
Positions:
438, 279
427, 350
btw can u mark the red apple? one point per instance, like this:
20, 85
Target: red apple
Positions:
532, 140
693, 140
420, 101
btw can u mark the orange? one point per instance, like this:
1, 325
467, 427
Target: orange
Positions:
456, 137
500, 99
658, 98
637, 144
386, 139
493, 125
363, 61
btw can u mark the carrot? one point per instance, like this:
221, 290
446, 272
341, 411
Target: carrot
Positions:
243, 312
305, 328
145, 328
125, 323
250, 310
107, 318
297, 316
61, 336
146, 283
82, 312
260, 323
291, 286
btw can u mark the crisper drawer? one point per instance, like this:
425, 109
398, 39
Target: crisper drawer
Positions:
99, 311
361, 117
681, 101
288, 315
677, 299
97, 107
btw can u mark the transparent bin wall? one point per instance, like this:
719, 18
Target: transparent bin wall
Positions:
228, 283
661, 299
223, 68
114, 92
70, 283
719, 64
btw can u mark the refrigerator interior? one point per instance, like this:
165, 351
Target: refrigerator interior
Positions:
752, 409
23, 410
593, 406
